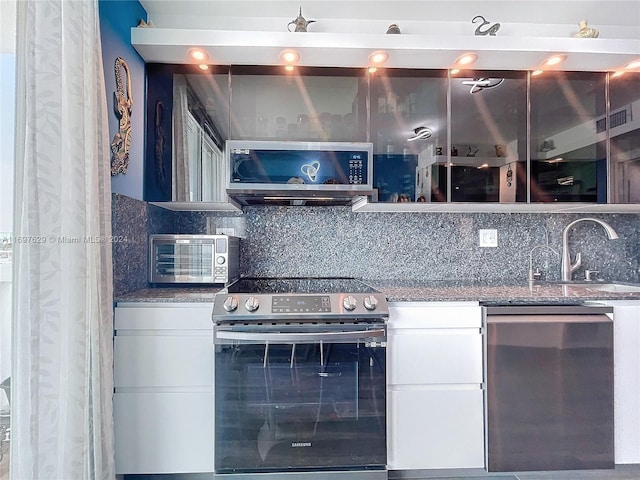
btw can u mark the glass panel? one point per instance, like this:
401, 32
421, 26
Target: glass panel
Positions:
568, 137
306, 105
299, 406
624, 130
409, 135
488, 137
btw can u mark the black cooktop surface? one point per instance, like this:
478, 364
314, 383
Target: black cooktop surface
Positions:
310, 285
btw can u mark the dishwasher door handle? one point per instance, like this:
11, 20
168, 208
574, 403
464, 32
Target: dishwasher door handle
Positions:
299, 337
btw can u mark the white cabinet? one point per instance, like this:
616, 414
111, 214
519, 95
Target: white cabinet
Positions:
626, 348
434, 385
163, 379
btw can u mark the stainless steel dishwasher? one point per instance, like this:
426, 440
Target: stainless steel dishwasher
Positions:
549, 387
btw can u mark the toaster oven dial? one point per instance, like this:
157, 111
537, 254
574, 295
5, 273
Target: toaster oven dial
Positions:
220, 260
230, 304
370, 302
349, 303
252, 304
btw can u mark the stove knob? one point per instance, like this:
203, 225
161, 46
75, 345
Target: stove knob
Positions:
252, 304
349, 303
230, 304
370, 302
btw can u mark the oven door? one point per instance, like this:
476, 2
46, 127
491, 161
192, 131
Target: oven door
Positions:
300, 397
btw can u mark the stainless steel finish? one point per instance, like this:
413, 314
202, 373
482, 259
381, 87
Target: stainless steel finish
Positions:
300, 194
208, 259
230, 304
590, 275
298, 337
252, 304
350, 303
549, 403
370, 302
567, 267
532, 275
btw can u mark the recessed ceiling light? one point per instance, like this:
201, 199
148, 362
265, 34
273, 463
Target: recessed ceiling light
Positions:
198, 54
378, 58
535, 73
554, 60
617, 74
203, 66
289, 68
455, 71
632, 65
466, 59
372, 69
289, 57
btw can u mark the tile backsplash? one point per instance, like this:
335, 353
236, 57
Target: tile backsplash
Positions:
334, 241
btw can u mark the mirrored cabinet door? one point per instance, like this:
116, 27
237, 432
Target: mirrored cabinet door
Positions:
624, 132
568, 137
409, 135
308, 104
488, 136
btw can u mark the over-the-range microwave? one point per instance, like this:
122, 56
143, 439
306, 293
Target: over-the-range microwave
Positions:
205, 259
299, 173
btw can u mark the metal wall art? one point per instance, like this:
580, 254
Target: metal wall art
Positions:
492, 30
586, 31
122, 104
300, 23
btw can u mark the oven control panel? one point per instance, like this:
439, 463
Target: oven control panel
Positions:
237, 306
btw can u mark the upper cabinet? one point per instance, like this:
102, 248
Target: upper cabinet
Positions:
478, 137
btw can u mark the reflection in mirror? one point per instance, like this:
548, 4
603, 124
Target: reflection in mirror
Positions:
409, 135
488, 137
187, 125
308, 104
568, 137
624, 131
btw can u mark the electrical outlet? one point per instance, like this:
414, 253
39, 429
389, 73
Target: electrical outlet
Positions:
488, 238
226, 231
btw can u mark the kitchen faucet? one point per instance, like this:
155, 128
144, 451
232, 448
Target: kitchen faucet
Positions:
567, 267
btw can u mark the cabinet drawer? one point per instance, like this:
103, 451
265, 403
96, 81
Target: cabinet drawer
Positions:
156, 360
431, 429
435, 357
164, 317
163, 432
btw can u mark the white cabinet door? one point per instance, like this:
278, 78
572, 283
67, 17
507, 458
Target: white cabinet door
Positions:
436, 429
626, 348
163, 432
435, 356
435, 379
163, 378
154, 360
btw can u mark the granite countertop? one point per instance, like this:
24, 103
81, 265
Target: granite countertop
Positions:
416, 291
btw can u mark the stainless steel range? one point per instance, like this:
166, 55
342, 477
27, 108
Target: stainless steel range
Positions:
300, 379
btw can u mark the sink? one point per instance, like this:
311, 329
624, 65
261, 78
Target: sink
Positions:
613, 287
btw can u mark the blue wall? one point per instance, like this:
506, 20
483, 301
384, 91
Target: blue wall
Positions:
116, 20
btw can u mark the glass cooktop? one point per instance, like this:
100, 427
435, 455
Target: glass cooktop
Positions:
278, 285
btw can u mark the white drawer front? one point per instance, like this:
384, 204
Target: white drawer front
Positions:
435, 357
426, 315
170, 316
163, 360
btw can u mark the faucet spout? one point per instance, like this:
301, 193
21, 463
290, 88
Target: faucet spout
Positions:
567, 267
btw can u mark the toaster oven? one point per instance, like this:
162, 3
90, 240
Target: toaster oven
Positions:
208, 259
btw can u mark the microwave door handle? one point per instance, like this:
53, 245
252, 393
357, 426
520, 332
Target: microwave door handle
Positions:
299, 337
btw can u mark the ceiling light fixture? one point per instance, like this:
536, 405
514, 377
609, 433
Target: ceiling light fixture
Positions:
535, 73
617, 74
554, 60
203, 66
289, 57
372, 69
198, 54
455, 71
378, 58
420, 133
632, 65
289, 68
466, 59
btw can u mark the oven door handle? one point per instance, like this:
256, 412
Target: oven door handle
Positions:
299, 337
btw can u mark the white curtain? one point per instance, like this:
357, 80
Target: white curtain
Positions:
62, 381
